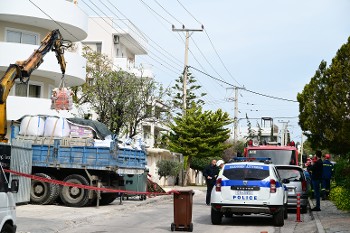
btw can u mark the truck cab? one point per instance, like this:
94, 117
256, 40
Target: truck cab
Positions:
7, 203
280, 155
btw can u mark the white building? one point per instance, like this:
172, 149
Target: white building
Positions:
23, 24
122, 42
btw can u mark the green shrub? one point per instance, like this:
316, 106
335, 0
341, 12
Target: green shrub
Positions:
341, 171
340, 197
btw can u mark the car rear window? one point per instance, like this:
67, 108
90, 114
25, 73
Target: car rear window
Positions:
246, 172
291, 174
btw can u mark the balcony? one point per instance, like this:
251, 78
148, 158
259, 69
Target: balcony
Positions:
130, 36
20, 106
75, 70
50, 15
128, 66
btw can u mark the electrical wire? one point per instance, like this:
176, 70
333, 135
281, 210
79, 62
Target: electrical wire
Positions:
143, 33
212, 44
168, 12
54, 20
245, 89
189, 12
158, 61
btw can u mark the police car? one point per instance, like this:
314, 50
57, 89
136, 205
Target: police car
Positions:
249, 187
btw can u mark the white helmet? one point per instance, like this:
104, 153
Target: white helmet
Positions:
218, 163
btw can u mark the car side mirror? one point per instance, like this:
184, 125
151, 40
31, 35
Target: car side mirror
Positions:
285, 181
14, 185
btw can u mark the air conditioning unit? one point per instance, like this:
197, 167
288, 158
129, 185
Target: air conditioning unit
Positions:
116, 39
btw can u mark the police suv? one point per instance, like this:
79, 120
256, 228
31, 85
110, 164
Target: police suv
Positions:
247, 187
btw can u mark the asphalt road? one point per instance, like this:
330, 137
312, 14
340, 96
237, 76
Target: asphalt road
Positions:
153, 215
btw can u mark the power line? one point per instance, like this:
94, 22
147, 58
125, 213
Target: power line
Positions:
143, 33
212, 44
223, 64
257, 93
168, 12
189, 12
132, 41
53, 20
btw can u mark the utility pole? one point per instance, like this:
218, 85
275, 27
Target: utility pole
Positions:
235, 133
235, 118
183, 29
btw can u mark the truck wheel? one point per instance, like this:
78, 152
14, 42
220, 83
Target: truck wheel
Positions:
216, 217
8, 229
107, 198
278, 218
43, 193
74, 196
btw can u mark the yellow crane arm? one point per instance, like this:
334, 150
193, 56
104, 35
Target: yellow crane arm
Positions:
23, 69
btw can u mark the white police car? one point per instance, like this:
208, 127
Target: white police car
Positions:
249, 188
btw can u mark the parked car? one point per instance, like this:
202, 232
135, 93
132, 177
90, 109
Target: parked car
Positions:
298, 183
244, 188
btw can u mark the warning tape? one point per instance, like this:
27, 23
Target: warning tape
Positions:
52, 181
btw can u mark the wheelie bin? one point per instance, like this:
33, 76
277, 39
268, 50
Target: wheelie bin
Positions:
136, 183
183, 202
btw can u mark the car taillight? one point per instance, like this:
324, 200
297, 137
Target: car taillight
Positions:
272, 186
304, 185
218, 185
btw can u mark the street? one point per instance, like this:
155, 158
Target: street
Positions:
153, 215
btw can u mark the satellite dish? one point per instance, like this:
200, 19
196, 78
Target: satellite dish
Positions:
255, 142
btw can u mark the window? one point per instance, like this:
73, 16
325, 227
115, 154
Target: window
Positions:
245, 173
22, 37
96, 47
30, 90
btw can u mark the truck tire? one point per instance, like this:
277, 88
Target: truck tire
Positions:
43, 193
107, 198
7, 228
74, 196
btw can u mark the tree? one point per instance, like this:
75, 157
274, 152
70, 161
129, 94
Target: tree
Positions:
191, 97
119, 98
324, 104
199, 134
251, 132
168, 168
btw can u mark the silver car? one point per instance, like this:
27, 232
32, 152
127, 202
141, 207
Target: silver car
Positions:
297, 184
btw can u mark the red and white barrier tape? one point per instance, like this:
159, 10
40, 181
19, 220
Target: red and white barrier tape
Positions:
43, 179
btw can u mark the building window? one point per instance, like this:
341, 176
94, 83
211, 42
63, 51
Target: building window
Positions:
22, 37
30, 90
96, 47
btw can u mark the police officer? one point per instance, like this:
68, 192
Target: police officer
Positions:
210, 173
326, 176
316, 177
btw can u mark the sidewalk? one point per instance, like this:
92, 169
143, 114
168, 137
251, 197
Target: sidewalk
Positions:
330, 219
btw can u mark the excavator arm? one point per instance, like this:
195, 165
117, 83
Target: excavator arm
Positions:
23, 69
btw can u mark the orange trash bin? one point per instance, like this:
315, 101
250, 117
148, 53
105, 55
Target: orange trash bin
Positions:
183, 202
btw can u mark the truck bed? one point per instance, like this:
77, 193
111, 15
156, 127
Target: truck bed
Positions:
98, 158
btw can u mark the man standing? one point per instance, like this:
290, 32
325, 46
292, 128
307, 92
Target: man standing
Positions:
210, 173
316, 177
326, 176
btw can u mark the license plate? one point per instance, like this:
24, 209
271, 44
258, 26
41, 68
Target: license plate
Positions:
240, 192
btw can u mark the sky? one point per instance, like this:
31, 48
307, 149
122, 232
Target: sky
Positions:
270, 48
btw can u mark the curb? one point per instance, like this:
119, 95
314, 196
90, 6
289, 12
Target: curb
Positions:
315, 216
